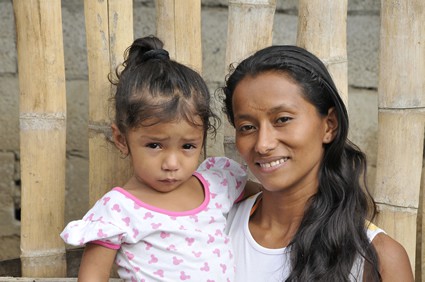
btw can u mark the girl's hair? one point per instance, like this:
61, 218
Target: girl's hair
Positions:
152, 88
333, 230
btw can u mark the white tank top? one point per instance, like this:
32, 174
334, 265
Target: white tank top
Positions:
255, 263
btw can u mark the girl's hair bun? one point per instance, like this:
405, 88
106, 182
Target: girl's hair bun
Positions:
155, 54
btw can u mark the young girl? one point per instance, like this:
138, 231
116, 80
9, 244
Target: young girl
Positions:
167, 222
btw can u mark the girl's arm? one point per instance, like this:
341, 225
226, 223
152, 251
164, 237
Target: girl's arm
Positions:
393, 259
96, 263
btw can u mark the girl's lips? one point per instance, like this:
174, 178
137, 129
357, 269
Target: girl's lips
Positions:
170, 181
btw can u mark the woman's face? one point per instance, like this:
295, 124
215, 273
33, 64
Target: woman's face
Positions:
279, 134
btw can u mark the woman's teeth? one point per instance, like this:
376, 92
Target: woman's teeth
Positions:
273, 163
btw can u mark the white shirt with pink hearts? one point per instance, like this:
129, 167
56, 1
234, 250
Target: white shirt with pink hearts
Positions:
159, 245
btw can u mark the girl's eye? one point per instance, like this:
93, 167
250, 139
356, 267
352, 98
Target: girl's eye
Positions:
283, 119
153, 145
189, 146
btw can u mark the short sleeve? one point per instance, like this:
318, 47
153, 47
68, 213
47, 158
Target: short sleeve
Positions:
98, 226
373, 230
224, 173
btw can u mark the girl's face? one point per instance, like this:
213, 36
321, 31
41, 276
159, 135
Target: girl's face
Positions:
166, 154
279, 134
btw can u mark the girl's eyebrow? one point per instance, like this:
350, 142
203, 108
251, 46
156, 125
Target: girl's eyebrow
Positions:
194, 139
153, 137
162, 139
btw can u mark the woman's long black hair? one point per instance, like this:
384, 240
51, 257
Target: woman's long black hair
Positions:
332, 233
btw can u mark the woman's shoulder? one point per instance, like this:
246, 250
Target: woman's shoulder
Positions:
393, 259
241, 211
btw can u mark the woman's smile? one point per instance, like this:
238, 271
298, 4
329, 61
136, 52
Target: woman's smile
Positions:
273, 164
278, 132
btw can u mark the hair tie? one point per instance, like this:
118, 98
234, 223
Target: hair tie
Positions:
155, 54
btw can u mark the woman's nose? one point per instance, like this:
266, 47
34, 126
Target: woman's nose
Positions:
266, 140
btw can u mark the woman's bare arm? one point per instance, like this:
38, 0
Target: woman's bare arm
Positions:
393, 259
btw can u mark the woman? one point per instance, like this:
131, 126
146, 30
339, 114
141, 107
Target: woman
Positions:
311, 221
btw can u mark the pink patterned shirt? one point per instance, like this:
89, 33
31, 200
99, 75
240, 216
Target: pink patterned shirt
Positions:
158, 245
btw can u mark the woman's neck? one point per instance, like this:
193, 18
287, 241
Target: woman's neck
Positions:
277, 218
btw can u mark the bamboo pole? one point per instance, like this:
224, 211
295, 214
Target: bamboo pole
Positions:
165, 25
109, 31
401, 119
42, 135
322, 29
420, 246
179, 27
249, 28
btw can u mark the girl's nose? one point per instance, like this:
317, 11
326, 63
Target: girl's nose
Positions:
266, 140
171, 162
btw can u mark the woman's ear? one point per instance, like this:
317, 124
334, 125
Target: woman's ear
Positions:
331, 126
119, 140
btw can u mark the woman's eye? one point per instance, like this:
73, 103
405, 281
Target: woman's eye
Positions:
283, 119
245, 128
153, 145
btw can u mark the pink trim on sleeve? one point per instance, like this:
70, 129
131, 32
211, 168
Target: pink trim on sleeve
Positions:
106, 245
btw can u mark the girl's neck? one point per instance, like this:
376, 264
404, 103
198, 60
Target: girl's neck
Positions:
190, 195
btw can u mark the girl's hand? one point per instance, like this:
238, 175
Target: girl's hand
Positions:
96, 263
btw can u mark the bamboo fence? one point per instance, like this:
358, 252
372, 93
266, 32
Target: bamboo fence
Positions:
420, 248
109, 23
42, 135
249, 28
183, 44
322, 29
108, 32
401, 119
174, 18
